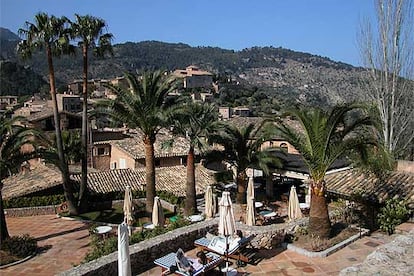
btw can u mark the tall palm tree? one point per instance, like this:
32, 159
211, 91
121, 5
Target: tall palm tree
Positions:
142, 106
193, 122
51, 34
324, 137
12, 137
242, 149
89, 31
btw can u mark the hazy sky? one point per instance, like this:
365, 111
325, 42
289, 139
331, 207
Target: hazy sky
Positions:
323, 27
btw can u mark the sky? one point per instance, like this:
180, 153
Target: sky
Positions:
322, 27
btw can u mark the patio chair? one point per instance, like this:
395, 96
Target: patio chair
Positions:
169, 264
236, 250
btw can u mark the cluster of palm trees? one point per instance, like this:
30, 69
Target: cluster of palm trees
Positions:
54, 35
324, 136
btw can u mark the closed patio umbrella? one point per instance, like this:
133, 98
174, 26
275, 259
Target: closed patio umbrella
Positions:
128, 218
250, 212
293, 206
227, 223
157, 213
250, 188
209, 202
124, 261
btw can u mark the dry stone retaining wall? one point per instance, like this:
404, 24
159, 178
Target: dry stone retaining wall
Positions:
144, 253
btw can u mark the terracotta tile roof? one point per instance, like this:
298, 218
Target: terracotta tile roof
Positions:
48, 112
396, 184
171, 179
134, 146
245, 121
39, 178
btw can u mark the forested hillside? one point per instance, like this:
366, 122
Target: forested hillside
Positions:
261, 73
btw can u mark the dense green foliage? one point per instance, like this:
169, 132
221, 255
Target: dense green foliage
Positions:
34, 201
17, 80
19, 247
392, 214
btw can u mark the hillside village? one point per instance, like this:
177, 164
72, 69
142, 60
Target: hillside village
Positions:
121, 149
250, 160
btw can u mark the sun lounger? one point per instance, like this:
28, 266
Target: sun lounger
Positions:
237, 251
168, 261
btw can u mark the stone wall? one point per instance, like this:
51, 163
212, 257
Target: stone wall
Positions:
269, 236
144, 253
31, 211
54, 209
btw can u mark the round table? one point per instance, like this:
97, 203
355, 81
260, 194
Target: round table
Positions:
148, 225
196, 218
103, 230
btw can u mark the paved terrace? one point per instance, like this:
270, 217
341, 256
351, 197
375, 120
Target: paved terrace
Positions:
65, 243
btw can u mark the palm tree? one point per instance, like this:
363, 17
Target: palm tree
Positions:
325, 136
142, 106
242, 149
193, 122
89, 31
51, 33
12, 137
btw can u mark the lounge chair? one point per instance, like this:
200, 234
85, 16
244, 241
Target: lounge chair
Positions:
237, 251
168, 264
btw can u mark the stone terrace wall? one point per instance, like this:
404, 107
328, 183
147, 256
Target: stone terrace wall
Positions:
269, 236
53, 209
144, 253
31, 211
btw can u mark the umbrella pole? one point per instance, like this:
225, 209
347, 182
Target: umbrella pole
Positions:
227, 255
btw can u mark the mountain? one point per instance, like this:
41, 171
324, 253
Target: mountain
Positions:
8, 42
6, 34
273, 73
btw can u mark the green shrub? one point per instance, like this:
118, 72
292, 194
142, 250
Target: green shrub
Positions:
392, 214
34, 201
101, 247
20, 246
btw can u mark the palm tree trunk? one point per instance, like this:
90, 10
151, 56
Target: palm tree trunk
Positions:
190, 202
241, 187
149, 172
67, 185
319, 223
4, 233
83, 199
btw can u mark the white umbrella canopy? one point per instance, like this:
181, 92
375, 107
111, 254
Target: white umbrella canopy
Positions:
124, 261
128, 218
250, 212
293, 207
250, 188
227, 223
209, 202
157, 213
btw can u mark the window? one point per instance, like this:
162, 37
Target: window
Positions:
102, 151
284, 147
122, 163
